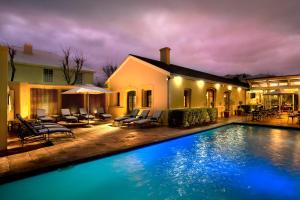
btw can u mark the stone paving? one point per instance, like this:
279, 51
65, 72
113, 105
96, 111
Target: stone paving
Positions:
94, 142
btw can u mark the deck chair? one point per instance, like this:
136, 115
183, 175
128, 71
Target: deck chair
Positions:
67, 116
84, 114
143, 115
133, 113
41, 130
154, 120
102, 114
41, 115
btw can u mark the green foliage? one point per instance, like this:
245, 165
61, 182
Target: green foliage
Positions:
213, 114
192, 117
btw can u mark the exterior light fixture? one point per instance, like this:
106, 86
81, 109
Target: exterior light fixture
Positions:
200, 83
178, 80
217, 85
229, 87
239, 89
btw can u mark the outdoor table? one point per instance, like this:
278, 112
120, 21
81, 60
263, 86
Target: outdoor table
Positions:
292, 116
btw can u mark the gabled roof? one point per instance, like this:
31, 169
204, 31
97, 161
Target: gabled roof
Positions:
179, 70
41, 58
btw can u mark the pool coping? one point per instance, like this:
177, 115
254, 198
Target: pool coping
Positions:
25, 174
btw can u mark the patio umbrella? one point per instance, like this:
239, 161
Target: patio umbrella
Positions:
87, 90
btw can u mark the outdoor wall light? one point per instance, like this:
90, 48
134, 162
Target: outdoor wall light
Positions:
239, 89
229, 87
178, 80
217, 85
200, 83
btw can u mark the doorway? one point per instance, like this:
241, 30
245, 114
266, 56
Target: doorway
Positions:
131, 101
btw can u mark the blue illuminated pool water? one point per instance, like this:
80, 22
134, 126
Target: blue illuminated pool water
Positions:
232, 162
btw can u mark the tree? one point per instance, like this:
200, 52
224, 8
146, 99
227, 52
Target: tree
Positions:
66, 65
71, 71
79, 60
109, 70
12, 53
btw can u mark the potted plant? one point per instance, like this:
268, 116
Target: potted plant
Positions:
240, 109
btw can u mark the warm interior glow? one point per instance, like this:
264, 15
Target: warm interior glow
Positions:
200, 83
178, 80
229, 87
217, 85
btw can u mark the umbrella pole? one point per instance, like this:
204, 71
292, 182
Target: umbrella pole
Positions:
88, 107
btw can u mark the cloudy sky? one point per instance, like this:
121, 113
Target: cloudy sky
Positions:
217, 36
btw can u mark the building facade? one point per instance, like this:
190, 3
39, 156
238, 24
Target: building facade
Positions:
42, 67
38, 83
275, 91
145, 83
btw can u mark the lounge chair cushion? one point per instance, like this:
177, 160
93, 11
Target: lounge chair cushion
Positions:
46, 119
143, 121
106, 115
53, 130
129, 120
87, 116
118, 119
71, 118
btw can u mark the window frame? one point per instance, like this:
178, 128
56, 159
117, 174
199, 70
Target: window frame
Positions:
46, 75
146, 98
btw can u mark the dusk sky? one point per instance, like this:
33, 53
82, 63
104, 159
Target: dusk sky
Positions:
216, 36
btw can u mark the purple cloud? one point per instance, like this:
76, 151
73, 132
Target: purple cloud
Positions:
233, 36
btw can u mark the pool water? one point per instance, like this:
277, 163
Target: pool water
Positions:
231, 162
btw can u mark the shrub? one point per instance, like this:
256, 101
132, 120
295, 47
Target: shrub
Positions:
213, 114
192, 117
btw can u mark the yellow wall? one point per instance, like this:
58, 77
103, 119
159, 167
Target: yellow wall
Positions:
3, 97
22, 95
198, 96
34, 74
137, 75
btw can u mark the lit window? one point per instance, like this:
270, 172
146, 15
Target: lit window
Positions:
187, 98
48, 75
118, 99
210, 98
147, 98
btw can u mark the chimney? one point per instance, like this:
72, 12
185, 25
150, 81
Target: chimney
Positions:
165, 55
27, 48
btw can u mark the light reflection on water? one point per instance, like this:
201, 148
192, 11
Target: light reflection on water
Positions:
232, 162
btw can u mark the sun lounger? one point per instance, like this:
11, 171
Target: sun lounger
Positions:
42, 130
84, 114
155, 119
102, 114
133, 113
143, 115
41, 115
67, 116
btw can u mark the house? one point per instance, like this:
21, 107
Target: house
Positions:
42, 67
157, 84
275, 91
39, 81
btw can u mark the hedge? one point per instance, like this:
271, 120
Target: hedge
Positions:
192, 117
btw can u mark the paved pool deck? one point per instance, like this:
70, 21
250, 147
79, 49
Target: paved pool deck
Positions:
90, 143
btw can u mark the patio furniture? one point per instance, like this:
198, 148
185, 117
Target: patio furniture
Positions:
119, 120
102, 114
67, 116
154, 120
292, 115
41, 130
143, 115
84, 114
41, 115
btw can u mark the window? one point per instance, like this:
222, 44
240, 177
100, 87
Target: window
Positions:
147, 98
118, 99
252, 95
187, 98
79, 79
210, 98
48, 75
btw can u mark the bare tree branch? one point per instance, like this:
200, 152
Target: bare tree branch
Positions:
109, 70
66, 65
79, 60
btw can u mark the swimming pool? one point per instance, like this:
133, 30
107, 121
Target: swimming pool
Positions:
231, 162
